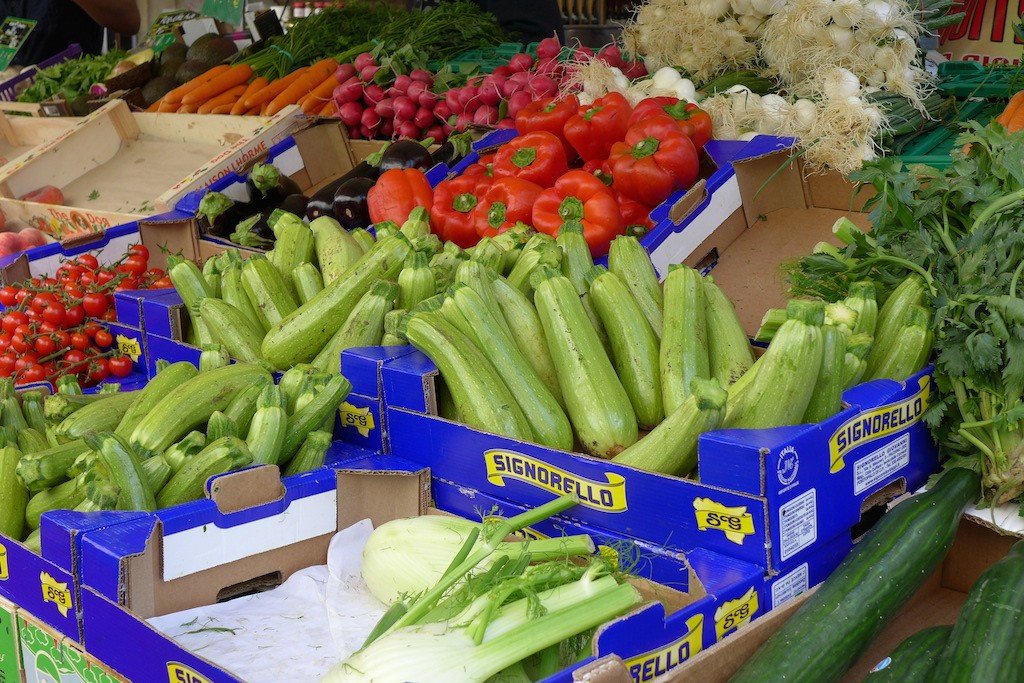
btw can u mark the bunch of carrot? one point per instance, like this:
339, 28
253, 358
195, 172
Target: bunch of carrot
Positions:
233, 89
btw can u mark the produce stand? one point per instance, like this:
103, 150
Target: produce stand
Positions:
692, 356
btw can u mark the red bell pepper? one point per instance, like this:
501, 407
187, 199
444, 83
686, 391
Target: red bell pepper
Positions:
483, 167
396, 193
538, 157
452, 212
507, 202
634, 214
691, 119
580, 197
654, 161
549, 114
594, 129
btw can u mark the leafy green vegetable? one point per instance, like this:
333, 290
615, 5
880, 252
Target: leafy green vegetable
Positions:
71, 78
961, 230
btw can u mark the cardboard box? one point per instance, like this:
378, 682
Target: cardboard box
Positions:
207, 550
10, 647
48, 656
114, 166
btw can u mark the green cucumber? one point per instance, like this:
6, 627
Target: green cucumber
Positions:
914, 658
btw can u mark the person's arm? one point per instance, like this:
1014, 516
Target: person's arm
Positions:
120, 16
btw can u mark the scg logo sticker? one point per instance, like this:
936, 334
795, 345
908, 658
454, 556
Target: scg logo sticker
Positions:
179, 673
787, 466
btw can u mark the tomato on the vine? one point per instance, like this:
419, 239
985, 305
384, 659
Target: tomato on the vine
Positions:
7, 364
134, 265
45, 345
95, 304
88, 261
139, 250
73, 360
120, 366
103, 338
75, 316
25, 360
8, 295
55, 313
98, 370
80, 341
33, 373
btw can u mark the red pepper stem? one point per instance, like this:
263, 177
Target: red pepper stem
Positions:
645, 147
496, 214
522, 158
590, 113
465, 202
678, 110
571, 209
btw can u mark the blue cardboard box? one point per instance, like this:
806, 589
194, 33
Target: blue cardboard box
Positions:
193, 554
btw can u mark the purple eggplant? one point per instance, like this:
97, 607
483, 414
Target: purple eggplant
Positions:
268, 188
350, 205
322, 202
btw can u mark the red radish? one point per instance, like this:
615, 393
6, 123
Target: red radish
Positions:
402, 82
366, 74
504, 71
634, 70
364, 60
611, 55
349, 91
491, 90
462, 121
436, 132
370, 119
350, 113
385, 108
366, 133
544, 86
423, 118
408, 129
447, 128
442, 110
549, 48
405, 108
510, 87
427, 99
451, 98
507, 122
517, 102
373, 94
387, 128
467, 96
550, 67
486, 115
415, 88
520, 62
583, 53
344, 72
422, 76
354, 132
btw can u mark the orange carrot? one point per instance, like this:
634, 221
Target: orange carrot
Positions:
223, 109
1012, 117
253, 112
256, 84
273, 88
166, 106
176, 95
236, 75
311, 79
330, 109
188, 109
316, 98
155, 106
226, 97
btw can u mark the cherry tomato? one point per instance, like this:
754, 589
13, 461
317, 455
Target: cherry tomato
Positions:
98, 370
21, 296
55, 314
139, 250
5, 342
11, 321
73, 360
110, 316
87, 279
127, 283
38, 302
18, 343
103, 338
134, 265
91, 329
7, 365
120, 366
75, 316
95, 304
62, 338
79, 340
105, 276
47, 327
25, 360
74, 292
88, 261
45, 345
33, 373
162, 283
8, 295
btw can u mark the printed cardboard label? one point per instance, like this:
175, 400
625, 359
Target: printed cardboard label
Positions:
735, 522
881, 464
607, 496
733, 614
179, 673
359, 418
13, 33
874, 424
10, 669
56, 592
985, 34
4, 571
45, 657
798, 524
791, 585
129, 347
650, 665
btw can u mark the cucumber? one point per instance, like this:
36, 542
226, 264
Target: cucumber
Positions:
985, 643
827, 635
914, 658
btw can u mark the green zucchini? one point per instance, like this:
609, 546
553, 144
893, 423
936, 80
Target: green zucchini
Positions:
13, 494
891, 318
270, 295
102, 416
308, 282
188, 483
64, 496
233, 292
827, 397
838, 622
684, 341
164, 380
576, 264
364, 326
125, 469
48, 468
311, 454
230, 328
628, 259
914, 658
729, 352
336, 248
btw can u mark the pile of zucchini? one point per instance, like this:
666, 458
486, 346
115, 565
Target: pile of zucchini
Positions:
156, 448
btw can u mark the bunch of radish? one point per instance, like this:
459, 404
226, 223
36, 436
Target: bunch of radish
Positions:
408, 107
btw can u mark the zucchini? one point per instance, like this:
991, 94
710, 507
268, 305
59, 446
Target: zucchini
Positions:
177, 455
302, 334
125, 468
628, 259
855, 363
985, 643
243, 405
576, 264
827, 635
230, 328
891, 318
213, 356
862, 299
31, 441
101, 416
188, 484
827, 396
914, 658
474, 275
416, 281
267, 290
336, 249
32, 409
11, 416
48, 468
311, 455
308, 282
267, 431
364, 326
634, 345
233, 292
294, 245
313, 415
190, 405
729, 352
598, 406
192, 287
363, 237
13, 494
65, 496
684, 341
164, 380
220, 425
909, 351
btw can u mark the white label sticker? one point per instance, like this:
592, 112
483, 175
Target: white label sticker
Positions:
798, 524
791, 585
881, 464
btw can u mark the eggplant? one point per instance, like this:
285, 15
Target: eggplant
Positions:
403, 154
268, 188
455, 149
350, 205
254, 232
295, 203
322, 202
220, 214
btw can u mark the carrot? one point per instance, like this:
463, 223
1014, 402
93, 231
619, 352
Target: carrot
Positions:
252, 112
273, 88
256, 84
330, 109
1012, 117
226, 97
311, 79
187, 109
167, 106
155, 106
223, 109
316, 98
175, 96
236, 75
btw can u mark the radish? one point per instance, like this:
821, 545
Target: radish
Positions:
349, 91
427, 99
373, 94
549, 48
504, 71
510, 87
370, 119
366, 133
344, 72
423, 118
387, 128
422, 76
520, 62
355, 132
549, 67
517, 102
402, 82
462, 121
447, 128
507, 122
364, 60
451, 98
583, 53
544, 86
442, 110
467, 98
404, 108
408, 129
415, 88
366, 74
491, 90
611, 56
436, 132
385, 108
486, 115
634, 70
350, 113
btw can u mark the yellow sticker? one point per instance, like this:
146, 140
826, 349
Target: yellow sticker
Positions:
650, 665
876, 423
129, 347
732, 614
55, 592
735, 522
4, 573
360, 418
179, 673
607, 496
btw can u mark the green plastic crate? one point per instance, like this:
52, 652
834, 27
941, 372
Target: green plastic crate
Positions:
971, 79
935, 147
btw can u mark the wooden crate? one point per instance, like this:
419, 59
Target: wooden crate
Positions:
115, 166
21, 134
